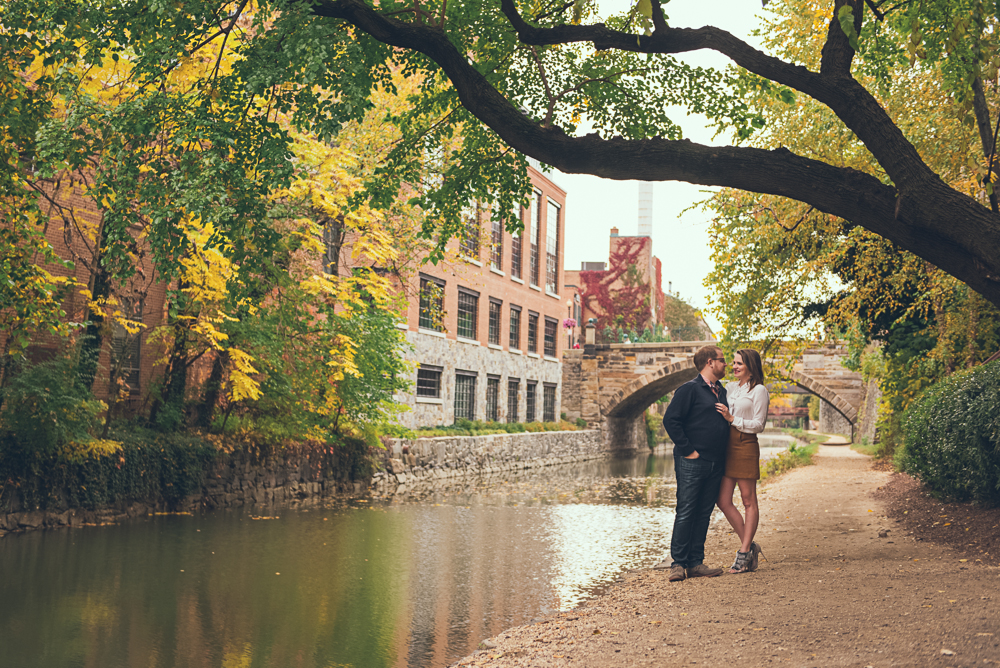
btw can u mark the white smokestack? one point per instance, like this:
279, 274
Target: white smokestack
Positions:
645, 209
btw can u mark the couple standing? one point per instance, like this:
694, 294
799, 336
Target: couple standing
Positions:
714, 430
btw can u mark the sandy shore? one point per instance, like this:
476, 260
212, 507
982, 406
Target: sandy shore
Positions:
842, 585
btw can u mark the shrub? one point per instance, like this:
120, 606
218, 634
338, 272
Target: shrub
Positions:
148, 465
463, 427
44, 407
796, 455
581, 423
951, 436
652, 429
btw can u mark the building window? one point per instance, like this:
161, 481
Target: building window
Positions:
496, 243
125, 345
529, 409
513, 390
493, 398
471, 231
429, 381
494, 333
465, 395
515, 328
468, 313
551, 329
548, 402
552, 248
532, 332
515, 251
536, 219
431, 304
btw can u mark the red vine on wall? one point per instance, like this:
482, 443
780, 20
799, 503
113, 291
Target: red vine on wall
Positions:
627, 305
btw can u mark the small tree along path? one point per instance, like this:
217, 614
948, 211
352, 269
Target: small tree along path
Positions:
833, 593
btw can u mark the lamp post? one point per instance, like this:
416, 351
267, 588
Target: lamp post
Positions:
591, 337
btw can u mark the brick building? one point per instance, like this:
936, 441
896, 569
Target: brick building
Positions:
627, 293
485, 328
486, 331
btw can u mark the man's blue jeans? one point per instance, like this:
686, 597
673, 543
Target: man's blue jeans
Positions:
697, 491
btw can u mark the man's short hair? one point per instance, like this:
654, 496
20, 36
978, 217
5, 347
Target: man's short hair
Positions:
705, 354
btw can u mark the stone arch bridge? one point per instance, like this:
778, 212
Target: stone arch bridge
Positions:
611, 386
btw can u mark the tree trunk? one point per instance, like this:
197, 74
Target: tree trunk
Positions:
213, 388
982, 112
167, 412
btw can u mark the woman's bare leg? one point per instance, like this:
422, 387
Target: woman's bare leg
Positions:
729, 508
748, 492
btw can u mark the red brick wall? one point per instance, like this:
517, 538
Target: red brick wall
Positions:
479, 276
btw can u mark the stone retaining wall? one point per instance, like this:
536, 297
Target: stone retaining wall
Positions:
296, 478
233, 481
425, 460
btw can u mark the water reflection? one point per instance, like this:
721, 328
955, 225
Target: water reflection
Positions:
415, 580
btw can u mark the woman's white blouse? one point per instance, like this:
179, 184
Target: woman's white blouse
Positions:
749, 407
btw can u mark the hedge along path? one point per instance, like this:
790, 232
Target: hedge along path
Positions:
832, 593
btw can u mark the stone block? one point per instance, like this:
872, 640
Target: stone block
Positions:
32, 519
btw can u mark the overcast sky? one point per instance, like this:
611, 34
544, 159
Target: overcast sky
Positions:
595, 205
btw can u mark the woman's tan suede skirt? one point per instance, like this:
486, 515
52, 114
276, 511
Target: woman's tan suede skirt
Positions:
743, 456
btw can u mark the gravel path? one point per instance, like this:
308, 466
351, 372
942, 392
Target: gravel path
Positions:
843, 585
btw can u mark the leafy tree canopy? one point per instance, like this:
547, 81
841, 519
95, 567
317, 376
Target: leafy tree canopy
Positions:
785, 269
503, 75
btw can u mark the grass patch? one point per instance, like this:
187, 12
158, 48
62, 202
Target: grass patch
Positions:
795, 456
870, 449
803, 435
481, 428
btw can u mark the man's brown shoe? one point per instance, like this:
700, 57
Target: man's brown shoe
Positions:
703, 571
676, 574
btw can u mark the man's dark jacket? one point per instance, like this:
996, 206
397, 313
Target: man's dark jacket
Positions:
693, 423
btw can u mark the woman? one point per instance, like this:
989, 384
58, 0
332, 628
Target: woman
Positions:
747, 415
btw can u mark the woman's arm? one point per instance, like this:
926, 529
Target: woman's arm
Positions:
755, 424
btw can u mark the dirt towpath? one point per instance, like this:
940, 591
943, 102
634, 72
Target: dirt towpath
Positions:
832, 592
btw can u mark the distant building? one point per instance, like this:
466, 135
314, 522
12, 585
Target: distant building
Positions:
626, 294
486, 332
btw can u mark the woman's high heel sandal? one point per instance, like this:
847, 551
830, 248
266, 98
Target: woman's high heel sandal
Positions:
755, 553
742, 562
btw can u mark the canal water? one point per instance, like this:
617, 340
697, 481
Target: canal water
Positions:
413, 580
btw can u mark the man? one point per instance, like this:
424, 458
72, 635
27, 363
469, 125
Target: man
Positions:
700, 435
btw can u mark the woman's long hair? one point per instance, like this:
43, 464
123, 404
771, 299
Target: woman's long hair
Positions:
751, 360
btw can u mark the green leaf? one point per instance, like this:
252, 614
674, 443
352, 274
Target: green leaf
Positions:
846, 17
